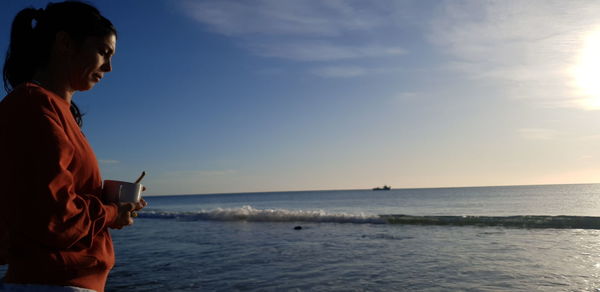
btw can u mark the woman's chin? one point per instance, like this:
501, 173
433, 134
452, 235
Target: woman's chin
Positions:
86, 86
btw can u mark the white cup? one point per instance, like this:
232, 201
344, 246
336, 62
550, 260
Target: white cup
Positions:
122, 191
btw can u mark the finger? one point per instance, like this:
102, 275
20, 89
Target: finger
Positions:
128, 206
139, 206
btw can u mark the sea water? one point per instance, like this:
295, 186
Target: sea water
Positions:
518, 238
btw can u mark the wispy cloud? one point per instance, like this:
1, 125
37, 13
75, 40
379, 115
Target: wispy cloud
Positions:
310, 30
529, 45
322, 51
280, 17
340, 71
537, 134
348, 71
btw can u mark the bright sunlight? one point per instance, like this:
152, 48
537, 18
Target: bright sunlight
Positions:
586, 72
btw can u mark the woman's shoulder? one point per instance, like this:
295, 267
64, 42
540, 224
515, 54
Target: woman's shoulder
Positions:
30, 97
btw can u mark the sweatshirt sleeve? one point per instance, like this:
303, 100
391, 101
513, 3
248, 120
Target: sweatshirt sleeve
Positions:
47, 208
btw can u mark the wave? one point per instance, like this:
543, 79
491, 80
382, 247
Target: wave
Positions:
250, 214
527, 221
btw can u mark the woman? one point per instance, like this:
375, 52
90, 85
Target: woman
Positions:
53, 220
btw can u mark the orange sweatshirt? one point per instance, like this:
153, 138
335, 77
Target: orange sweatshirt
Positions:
51, 210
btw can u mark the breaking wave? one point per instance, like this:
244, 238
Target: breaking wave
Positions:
250, 214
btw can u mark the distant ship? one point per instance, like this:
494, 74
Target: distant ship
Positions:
384, 188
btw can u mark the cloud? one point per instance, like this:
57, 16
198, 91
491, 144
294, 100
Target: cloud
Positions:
280, 17
322, 51
108, 161
349, 71
310, 30
537, 134
339, 71
530, 46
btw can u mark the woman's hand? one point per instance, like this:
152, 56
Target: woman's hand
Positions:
126, 213
141, 204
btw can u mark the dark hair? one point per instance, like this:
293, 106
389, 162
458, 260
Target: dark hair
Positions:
31, 43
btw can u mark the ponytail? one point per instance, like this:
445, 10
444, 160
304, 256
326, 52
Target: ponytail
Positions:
21, 58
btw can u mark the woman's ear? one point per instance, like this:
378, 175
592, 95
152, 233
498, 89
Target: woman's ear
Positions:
63, 43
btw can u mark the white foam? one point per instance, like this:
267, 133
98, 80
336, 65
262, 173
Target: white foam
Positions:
250, 214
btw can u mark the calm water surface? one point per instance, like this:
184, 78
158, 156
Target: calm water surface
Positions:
247, 242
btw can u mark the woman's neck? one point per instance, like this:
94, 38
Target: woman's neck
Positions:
55, 83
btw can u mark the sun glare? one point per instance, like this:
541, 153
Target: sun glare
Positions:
586, 72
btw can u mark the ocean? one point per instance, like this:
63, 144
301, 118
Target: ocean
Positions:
510, 238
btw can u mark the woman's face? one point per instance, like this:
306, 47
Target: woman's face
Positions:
90, 61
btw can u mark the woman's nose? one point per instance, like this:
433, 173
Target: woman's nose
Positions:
107, 66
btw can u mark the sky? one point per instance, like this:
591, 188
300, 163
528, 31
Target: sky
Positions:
222, 96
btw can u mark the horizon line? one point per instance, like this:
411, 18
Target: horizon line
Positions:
368, 189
